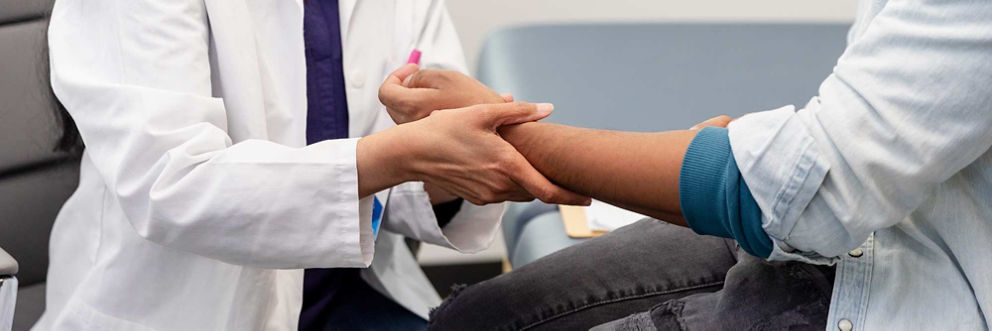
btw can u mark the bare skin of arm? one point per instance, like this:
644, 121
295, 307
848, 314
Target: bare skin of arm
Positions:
632, 170
457, 152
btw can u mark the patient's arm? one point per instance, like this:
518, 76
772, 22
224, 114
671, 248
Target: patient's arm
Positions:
636, 171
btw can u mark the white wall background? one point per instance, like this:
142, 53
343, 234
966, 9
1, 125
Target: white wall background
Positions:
475, 19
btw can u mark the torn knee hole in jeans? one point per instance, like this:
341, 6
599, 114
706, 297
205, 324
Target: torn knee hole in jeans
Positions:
456, 289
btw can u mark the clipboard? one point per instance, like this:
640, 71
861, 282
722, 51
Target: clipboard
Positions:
576, 223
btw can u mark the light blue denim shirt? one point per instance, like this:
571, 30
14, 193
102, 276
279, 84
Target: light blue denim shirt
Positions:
888, 172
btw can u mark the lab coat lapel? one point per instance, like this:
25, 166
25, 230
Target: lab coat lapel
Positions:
254, 43
346, 9
367, 49
235, 68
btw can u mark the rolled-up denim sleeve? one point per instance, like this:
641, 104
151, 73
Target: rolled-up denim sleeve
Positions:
784, 168
905, 109
715, 199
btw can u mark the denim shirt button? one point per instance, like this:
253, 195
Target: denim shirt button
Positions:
857, 252
845, 325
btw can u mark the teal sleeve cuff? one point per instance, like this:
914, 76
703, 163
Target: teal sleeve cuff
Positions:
715, 199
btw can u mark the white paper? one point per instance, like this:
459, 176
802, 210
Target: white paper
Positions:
8, 297
606, 217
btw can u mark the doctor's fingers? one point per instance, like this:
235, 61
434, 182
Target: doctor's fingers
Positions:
462, 193
406, 104
432, 78
492, 186
395, 84
392, 91
400, 97
493, 116
483, 192
402, 74
524, 174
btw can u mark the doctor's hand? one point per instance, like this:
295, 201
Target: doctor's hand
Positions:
459, 151
410, 94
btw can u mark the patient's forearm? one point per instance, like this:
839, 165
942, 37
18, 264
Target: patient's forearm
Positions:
636, 171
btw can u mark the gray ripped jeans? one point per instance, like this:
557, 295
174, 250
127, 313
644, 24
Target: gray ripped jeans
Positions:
646, 276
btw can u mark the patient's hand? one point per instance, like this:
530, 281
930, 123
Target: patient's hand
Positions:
719, 121
411, 94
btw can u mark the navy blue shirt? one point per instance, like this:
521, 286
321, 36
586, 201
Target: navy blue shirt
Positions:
327, 106
327, 118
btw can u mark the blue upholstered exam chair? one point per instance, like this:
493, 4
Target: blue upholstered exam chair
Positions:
648, 77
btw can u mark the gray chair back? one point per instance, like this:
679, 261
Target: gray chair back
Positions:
35, 180
648, 77
656, 77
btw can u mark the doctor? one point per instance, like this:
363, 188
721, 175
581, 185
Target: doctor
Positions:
212, 174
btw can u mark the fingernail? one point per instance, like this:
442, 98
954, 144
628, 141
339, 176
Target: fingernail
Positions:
588, 202
545, 109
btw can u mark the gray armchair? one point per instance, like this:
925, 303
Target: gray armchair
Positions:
649, 77
8, 289
34, 179
8, 266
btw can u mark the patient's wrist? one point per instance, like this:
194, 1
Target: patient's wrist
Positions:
521, 136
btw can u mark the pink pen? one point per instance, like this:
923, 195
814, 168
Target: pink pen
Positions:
414, 57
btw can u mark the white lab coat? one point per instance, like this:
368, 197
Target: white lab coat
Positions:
199, 202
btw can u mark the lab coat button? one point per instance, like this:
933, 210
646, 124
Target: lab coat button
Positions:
845, 325
357, 79
857, 252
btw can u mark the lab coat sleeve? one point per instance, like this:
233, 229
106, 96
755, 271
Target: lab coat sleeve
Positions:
906, 108
409, 210
136, 78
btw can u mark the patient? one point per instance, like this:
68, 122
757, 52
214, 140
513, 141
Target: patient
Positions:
642, 265
886, 174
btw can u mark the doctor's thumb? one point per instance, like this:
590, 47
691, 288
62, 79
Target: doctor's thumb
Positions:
402, 75
498, 115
